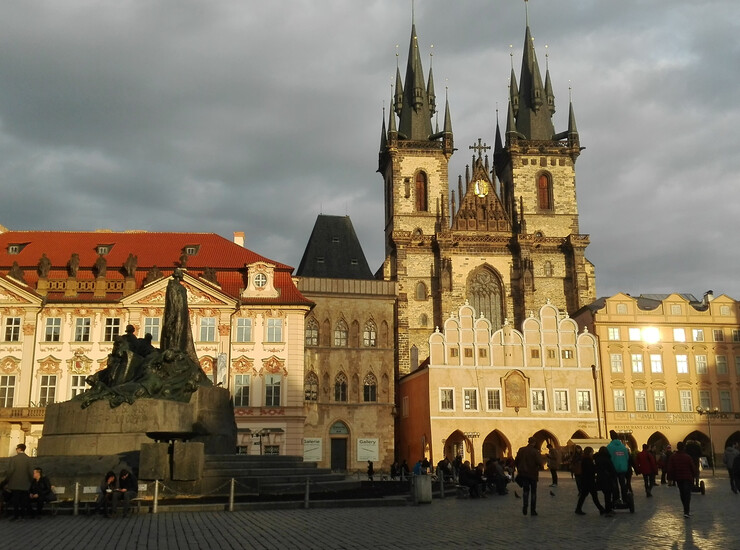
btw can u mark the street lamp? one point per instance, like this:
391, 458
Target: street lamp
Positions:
710, 413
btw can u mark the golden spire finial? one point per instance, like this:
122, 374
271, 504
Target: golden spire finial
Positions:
547, 58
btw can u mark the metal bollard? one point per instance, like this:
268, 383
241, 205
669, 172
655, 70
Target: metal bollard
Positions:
441, 485
305, 496
231, 495
76, 503
156, 497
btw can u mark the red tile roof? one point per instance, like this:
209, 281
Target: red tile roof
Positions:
162, 250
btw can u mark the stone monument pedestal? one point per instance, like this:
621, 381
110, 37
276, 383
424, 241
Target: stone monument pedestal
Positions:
99, 429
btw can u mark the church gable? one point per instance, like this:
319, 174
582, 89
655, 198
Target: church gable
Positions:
480, 207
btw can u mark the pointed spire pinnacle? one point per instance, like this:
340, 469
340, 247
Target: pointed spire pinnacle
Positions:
383, 135
572, 129
549, 95
415, 119
448, 118
430, 86
391, 120
498, 144
397, 101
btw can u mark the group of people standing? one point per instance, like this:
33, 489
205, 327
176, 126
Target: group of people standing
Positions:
26, 489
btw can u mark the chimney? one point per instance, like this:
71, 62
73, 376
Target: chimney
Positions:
708, 297
239, 238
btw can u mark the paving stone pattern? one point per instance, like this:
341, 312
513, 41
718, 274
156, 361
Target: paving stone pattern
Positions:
494, 522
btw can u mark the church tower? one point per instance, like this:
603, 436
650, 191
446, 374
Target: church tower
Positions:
413, 162
507, 239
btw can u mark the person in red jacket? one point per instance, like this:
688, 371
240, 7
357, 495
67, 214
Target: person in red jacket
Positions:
648, 467
682, 471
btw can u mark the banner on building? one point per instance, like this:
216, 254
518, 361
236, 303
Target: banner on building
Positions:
312, 449
367, 449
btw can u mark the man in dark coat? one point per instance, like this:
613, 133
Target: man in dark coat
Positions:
528, 462
40, 492
20, 474
588, 482
683, 471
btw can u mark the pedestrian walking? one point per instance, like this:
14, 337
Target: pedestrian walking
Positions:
528, 462
553, 463
587, 484
648, 467
682, 471
731, 453
606, 479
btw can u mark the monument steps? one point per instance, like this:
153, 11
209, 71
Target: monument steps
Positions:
269, 475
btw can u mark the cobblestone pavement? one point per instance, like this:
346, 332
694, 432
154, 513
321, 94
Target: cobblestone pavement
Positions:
496, 521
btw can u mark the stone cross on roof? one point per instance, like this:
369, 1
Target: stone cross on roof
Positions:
480, 147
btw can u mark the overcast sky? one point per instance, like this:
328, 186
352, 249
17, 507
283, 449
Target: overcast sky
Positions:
256, 116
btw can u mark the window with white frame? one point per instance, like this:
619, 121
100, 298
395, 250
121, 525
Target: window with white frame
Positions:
659, 400
208, 329
369, 335
718, 334
12, 329
635, 334
705, 399
152, 325
493, 399
470, 399
272, 390
698, 334
77, 384
656, 363
675, 309
53, 329
341, 334
7, 390
340, 388
447, 399
311, 387
620, 402
241, 390
641, 400
616, 362
613, 333
637, 365
274, 330
737, 365
725, 401
584, 400
561, 400
679, 335
682, 364
370, 388
244, 330
701, 364
721, 364
112, 328
82, 329
47, 389
312, 332
567, 354
538, 400
687, 403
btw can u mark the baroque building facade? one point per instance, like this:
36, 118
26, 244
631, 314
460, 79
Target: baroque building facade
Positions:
665, 357
349, 353
65, 296
508, 238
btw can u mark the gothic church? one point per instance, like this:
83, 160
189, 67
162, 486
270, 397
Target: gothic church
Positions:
507, 240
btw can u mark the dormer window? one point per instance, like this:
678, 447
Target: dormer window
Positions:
14, 249
335, 239
191, 250
103, 249
320, 260
353, 261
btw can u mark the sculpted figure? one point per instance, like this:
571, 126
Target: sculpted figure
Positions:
44, 266
73, 265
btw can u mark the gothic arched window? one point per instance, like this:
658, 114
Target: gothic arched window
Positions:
485, 293
421, 192
340, 387
548, 269
369, 335
370, 388
544, 192
312, 332
311, 387
340, 334
421, 291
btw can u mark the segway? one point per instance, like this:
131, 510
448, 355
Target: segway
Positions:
629, 498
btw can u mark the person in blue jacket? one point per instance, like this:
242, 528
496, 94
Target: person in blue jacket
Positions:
620, 456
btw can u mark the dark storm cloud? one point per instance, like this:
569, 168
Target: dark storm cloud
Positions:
256, 116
